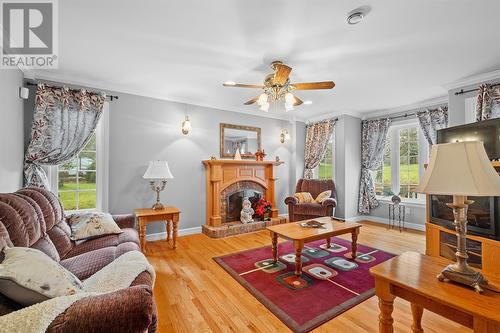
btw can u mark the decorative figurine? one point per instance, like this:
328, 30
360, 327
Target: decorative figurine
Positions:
396, 199
237, 155
247, 211
213, 158
277, 158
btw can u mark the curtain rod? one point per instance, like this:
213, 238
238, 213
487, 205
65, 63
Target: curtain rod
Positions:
320, 121
471, 90
111, 97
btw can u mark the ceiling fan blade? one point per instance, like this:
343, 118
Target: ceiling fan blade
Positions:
313, 85
239, 85
282, 73
298, 101
253, 100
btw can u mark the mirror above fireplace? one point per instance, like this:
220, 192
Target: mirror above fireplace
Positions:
245, 138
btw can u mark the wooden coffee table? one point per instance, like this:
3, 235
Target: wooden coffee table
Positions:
300, 235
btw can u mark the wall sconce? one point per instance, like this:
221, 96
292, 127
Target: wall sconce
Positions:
186, 126
284, 136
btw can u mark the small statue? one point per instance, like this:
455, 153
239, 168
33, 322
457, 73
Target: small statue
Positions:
247, 211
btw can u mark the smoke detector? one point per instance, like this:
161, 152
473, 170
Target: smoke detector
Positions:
355, 18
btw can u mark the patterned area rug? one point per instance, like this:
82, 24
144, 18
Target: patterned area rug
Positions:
331, 282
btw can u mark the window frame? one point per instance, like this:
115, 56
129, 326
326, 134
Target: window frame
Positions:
423, 157
102, 166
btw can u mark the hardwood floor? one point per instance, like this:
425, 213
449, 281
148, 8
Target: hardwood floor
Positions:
194, 294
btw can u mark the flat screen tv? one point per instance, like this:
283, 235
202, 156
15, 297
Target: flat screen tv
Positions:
487, 131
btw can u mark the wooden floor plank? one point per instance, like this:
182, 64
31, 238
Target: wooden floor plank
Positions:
194, 294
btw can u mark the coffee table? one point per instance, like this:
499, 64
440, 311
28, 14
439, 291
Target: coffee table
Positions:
300, 235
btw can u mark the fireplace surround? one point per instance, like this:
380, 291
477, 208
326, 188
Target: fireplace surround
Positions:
227, 177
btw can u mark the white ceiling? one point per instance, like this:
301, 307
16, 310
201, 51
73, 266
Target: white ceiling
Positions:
403, 52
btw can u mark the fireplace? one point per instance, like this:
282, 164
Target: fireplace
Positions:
232, 198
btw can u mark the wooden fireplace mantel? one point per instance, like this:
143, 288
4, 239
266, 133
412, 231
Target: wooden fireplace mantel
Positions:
222, 173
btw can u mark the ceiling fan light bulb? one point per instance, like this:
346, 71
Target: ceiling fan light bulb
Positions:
289, 98
288, 107
262, 99
264, 107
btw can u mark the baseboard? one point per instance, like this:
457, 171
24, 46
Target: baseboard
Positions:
381, 220
180, 232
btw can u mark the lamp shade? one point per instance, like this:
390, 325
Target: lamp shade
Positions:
158, 170
460, 168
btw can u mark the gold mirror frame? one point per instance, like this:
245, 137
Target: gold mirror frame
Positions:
223, 126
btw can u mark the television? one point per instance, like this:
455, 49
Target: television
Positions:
483, 215
487, 131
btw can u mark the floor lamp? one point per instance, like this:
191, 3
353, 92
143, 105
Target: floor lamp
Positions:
460, 169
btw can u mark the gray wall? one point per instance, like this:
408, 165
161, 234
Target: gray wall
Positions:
11, 130
144, 129
347, 165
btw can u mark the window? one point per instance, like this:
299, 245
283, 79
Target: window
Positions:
82, 183
325, 169
405, 153
76, 179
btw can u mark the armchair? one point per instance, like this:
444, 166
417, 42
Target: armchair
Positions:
304, 211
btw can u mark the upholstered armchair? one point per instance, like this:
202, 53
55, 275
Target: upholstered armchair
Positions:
304, 211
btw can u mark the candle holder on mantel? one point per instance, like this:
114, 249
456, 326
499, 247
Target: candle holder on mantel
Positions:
259, 155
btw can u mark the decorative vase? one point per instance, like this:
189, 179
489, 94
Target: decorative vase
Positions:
237, 155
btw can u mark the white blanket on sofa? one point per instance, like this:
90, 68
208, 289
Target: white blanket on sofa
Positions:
117, 275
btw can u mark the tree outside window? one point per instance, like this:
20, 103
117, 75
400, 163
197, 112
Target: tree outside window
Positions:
325, 167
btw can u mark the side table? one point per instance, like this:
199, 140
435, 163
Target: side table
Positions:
170, 215
401, 215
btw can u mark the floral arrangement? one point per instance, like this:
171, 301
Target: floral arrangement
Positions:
261, 207
259, 155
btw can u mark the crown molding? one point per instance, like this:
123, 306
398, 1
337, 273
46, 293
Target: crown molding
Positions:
37, 75
472, 80
419, 105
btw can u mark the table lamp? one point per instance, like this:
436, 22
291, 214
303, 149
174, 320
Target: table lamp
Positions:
460, 169
157, 173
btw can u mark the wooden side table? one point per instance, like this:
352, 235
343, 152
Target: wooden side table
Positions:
170, 215
412, 276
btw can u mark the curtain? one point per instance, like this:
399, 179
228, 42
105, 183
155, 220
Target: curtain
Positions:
373, 138
63, 122
488, 102
432, 120
317, 139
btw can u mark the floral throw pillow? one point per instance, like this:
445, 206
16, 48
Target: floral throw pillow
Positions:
304, 197
91, 224
29, 276
322, 196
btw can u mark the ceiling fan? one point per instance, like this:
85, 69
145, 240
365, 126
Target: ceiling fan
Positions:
278, 88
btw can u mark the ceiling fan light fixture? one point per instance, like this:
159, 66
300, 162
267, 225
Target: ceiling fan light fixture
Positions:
264, 107
262, 99
355, 18
230, 83
288, 107
308, 102
289, 99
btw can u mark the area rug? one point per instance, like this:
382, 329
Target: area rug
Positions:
331, 282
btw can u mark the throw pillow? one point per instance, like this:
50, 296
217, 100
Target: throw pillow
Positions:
322, 196
91, 224
304, 197
29, 276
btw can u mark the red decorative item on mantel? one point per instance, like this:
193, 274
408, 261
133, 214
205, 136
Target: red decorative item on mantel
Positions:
262, 208
259, 155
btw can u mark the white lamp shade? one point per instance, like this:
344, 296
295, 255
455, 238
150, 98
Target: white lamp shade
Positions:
460, 168
158, 170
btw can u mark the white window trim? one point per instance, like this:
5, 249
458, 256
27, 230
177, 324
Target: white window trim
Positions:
102, 165
423, 157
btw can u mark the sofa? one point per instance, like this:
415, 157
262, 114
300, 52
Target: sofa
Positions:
34, 217
304, 211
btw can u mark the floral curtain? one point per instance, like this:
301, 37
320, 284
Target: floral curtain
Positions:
317, 138
432, 120
488, 102
64, 120
373, 138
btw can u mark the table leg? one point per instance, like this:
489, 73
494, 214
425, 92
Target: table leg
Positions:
328, 243
142, 235
417, 311
298, 257
169, 229
274, 237
354, 244
175, 222
386, 306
